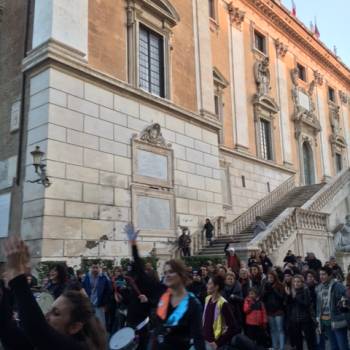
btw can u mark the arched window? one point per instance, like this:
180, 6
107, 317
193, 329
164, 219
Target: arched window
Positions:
308, 161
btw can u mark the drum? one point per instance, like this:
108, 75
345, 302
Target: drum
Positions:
44, 300
124, 339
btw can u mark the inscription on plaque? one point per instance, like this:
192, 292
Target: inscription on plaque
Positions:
153, 213
304, 100
5, 201
152, 165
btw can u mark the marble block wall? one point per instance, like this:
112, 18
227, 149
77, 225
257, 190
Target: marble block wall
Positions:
86, 131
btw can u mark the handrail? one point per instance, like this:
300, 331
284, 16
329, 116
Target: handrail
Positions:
286, 224
245, 219
328, 192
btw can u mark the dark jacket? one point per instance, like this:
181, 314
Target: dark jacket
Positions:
266, 264
299, 307
56, 289
273, 299
35, 332
208, 229
314, 264
199, 289
234, 296
104, 289
179, 337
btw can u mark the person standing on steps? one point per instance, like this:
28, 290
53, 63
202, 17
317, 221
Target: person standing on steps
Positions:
185, 242
258, 226
208, 229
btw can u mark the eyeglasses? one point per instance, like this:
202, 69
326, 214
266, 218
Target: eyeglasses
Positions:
169, 272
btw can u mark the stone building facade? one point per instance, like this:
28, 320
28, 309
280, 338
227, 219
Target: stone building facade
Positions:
159, 112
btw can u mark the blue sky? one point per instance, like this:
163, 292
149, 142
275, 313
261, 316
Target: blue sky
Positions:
333, 22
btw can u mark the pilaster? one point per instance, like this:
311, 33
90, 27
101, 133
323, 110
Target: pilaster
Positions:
63, 21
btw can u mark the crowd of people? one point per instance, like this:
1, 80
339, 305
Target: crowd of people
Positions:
234, 305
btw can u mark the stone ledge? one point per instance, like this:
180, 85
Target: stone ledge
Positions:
53, 54
256, 160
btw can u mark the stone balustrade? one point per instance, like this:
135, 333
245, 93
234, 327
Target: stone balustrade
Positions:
245, 220
328, 192
289, 222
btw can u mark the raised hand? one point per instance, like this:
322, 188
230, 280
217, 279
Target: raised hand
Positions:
18, 257
130, 232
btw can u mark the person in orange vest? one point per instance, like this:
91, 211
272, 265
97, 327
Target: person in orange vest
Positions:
179, 313
219, 323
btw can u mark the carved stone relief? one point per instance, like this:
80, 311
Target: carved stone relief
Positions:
152, 158
344, 98
265, 106
281, 48
262, 76
153, 135
304, 117
337, 141
236, 15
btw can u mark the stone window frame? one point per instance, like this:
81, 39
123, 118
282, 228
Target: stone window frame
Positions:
330, 101
255, 29
304, 69
220, 83
265, 108
160, 17
339, 156
139, 190
156, 149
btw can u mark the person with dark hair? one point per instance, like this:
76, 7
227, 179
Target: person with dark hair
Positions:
331, 318
208, 229
273, 296
300, 315
311, 284
184, 242
198, 287
257, 277
253, 259
287, 278
69, 325
290, 258
256, 318
178, 315
336, 269
313, 263
219, 324
58, 278
99, 290
265, 262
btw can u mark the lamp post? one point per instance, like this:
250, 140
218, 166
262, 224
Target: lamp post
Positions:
40, 168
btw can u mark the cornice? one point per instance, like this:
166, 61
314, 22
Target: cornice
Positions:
54, 54
256, 160
295, 30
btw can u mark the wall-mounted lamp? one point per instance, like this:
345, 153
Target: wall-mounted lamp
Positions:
40, 168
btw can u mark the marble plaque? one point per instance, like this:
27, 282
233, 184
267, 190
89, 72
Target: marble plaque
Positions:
15, 116
152, 165
153, 213
5, 204
304, 100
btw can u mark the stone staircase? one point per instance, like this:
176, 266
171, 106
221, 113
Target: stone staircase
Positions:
294, 198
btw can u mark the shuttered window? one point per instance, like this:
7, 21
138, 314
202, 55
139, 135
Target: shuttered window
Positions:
151, 62
265, 139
